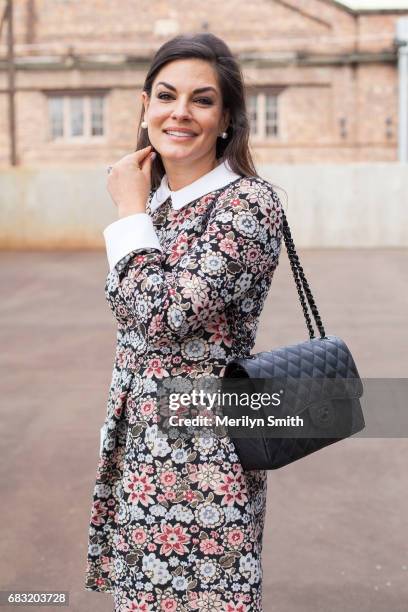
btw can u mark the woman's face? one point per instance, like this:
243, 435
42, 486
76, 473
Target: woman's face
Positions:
175, 104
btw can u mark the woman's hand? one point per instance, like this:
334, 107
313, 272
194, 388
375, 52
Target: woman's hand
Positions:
129, 182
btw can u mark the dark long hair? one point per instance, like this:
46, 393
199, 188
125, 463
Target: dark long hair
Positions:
207, 46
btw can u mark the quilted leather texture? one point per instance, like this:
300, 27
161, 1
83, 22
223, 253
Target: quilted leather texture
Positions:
321, 384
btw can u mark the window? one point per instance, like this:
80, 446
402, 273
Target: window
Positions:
271, 115
56, 116
253, 114
97, 116
76, 117
263, 113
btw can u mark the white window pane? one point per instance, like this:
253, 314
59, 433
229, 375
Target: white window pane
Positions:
271, 115
253, 113
56, 115
77, 116
97, 115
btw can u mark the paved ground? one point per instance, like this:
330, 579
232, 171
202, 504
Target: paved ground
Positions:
337, 529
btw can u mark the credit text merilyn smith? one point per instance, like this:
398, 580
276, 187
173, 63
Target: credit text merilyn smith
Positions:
244, 421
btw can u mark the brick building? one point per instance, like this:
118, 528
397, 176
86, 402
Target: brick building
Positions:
321, 77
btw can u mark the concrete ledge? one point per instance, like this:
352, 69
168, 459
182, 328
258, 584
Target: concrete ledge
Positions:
328, 205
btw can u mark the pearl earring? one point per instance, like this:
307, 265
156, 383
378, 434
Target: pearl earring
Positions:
143, 124
224, 135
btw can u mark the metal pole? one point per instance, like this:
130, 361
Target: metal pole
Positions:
402, 41
11, 83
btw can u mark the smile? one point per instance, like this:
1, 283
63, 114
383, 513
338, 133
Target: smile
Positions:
180, 136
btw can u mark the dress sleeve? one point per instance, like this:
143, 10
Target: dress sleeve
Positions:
240, 243
126, 234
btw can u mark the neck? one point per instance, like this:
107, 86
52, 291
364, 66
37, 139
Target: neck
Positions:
182, 173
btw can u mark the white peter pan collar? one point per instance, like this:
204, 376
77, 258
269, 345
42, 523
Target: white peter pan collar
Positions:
214, 179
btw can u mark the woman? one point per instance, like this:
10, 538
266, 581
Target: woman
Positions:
178, 525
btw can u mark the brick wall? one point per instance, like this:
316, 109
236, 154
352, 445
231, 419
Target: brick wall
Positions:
319, 90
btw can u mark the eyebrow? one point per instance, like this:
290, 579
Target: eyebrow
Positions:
199, 90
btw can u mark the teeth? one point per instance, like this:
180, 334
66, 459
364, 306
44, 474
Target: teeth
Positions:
179, 134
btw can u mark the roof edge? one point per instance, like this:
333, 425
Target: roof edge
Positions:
340, 5
367, 11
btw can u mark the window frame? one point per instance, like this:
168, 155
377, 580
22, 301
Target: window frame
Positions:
87, 136
261, 94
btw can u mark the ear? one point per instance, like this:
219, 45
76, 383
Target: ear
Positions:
145, 101
225, 120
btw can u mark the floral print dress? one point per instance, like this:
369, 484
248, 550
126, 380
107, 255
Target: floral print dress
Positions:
178, 525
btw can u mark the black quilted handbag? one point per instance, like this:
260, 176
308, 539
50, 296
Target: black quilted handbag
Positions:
319, 382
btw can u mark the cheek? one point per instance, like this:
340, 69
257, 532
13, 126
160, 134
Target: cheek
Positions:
159, 116
209, 125
210, 122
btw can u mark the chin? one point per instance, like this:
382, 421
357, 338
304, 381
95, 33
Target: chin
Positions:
175, 155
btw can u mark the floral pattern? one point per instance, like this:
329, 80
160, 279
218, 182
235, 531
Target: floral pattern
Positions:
177, 525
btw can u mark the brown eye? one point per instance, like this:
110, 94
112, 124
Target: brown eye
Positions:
207, 101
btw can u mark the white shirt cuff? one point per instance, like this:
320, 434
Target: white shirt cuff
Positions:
128, 234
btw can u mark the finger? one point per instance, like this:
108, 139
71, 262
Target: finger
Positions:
147, 163
142, 155
147, 160
142, 152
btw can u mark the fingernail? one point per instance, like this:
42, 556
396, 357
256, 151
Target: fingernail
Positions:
153, 155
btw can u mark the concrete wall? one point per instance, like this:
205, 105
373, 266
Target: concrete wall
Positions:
350, 205
344, 205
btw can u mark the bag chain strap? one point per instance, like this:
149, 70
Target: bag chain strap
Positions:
300, 280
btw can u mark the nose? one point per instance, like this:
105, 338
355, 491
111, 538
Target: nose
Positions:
180, 110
